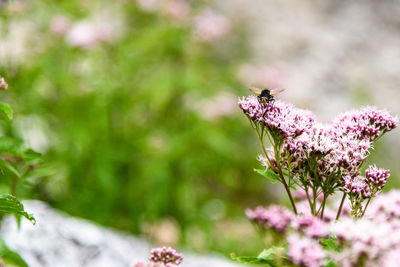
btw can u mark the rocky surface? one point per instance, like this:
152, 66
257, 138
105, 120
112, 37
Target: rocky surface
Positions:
59, 240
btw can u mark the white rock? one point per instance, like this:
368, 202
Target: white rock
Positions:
59, 240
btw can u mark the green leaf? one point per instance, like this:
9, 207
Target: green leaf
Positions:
11, 257
268, 257
330, 244
272, 253
5, 166
10, 145
10, 204
30, 155
6, 110
251, 260
267, 173
330, 264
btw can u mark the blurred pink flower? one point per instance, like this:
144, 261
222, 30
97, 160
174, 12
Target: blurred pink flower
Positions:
106, 26
210, 26
305, 251
82, 34
149, 5
59, 25
177, 10
3, 84
263, 76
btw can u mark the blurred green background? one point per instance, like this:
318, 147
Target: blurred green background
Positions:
133, 106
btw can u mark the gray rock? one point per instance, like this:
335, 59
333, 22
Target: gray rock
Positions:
59, 240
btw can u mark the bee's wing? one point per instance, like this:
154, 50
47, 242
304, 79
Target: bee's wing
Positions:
276, 91
255, 90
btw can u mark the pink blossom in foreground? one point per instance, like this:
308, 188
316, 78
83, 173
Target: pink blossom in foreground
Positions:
305, 251
166, 255
274, 217
385, 207
311, 226
3, 84
210, 26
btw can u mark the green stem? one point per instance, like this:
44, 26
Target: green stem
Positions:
341, 206
309, 201
279, 169
323, 206
366, 206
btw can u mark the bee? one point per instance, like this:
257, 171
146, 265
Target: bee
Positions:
265, 95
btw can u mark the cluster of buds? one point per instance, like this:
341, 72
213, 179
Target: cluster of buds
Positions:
362, 188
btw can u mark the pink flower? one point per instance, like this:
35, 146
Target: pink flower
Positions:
60, 25
166, 255
305, 251
281, 118
311, 226
3, 84
367, 123
274, 217
376, 177
177, 10
210, 26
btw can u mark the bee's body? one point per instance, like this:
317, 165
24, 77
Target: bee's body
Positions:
265, 95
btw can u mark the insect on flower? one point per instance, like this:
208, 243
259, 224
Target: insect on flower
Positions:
265, 95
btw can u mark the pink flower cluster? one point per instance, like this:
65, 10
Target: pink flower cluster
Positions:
372, 240
162, 257
305, 251
274, 217
376, 177
166, 255
325, 157
310, 226
3, 84
367, 123
280, 118
361, 188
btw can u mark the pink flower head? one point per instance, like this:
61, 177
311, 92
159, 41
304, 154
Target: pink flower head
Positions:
376, 177
281, 118
354, 185
274, 217
311, 226
166, 255
150, 264
385, 207
305, 251
367, 123
3, 84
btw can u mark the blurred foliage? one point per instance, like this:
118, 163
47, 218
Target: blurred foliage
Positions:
124, 140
